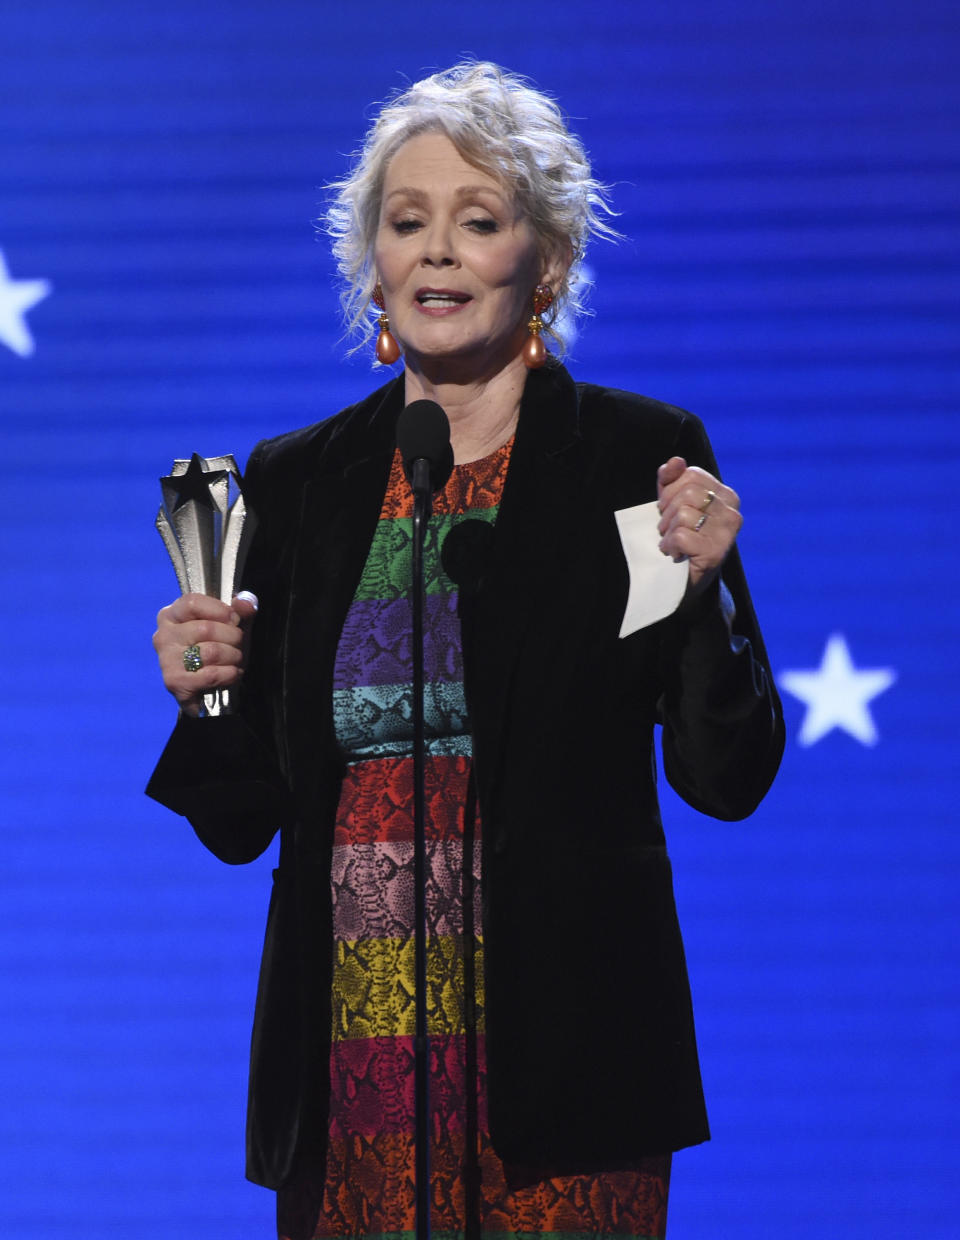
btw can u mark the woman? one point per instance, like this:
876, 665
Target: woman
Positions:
564, 1068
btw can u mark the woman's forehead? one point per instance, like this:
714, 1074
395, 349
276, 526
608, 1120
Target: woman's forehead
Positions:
428, 155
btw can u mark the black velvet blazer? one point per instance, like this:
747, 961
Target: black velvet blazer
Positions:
589, 1030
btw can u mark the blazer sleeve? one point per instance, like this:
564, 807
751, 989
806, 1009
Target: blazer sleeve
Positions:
723, 732
224, 774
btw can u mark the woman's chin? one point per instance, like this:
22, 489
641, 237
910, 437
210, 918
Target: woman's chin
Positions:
463, 359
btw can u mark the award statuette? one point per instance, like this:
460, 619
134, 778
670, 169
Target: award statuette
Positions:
206, 530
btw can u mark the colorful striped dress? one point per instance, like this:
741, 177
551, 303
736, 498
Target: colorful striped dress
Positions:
369, 1188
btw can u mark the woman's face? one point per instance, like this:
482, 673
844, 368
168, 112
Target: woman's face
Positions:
457, 262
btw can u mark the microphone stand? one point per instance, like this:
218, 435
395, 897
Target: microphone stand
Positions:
422, 508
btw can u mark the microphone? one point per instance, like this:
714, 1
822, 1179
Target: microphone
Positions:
423, 437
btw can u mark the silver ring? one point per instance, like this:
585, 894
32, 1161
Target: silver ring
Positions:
700, 524
192, 661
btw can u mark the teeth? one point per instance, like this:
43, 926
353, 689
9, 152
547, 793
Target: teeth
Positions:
441, 299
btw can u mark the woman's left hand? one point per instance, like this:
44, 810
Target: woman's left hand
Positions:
700, 518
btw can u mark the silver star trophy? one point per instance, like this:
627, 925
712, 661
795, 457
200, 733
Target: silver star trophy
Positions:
206, 529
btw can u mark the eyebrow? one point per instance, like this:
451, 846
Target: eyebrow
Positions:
465, 191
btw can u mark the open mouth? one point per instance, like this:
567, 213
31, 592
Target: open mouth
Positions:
441, 298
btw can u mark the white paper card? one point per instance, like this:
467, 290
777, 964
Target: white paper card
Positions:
657, 583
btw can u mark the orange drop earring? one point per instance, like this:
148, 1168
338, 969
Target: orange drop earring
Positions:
535, 351
387, 348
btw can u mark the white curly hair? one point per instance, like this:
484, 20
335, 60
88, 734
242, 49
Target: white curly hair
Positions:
503, 126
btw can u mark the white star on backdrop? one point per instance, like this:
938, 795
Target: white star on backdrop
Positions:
16, 298
837, 695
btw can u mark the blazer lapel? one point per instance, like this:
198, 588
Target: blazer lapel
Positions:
537, 520
339, 512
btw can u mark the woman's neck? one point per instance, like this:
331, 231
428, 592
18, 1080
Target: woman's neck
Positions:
483, 412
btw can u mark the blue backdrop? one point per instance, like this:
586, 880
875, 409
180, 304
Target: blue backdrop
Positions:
788, 178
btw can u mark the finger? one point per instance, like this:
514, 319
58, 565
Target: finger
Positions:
215, 666
682, 516
210, 654
245, 606
183, 664
694, 487
682, 542
668, 473
718, 520
694, 498
178, 636
676, 541
197, 607
685, 543
700, 493
702, 536
246, 596
721, 517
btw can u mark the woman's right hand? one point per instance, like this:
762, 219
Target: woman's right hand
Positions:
220, 631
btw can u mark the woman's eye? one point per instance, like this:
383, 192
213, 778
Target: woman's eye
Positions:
405, 226
483, 224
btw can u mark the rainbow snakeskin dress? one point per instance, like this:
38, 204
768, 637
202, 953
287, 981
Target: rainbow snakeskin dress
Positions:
369, 1186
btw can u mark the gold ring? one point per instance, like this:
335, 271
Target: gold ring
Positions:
192, 661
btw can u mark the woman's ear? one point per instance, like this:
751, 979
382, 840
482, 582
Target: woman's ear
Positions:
555, 266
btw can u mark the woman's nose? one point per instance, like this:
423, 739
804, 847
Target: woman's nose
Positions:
439, 249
